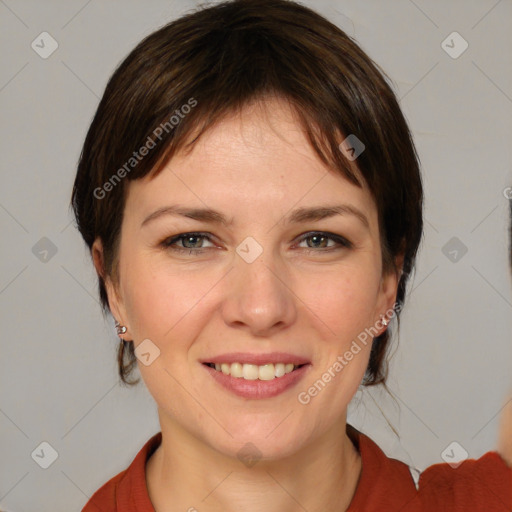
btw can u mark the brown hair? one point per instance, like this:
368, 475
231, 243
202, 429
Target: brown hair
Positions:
182, 79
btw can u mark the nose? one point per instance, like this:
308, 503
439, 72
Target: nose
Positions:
259, 297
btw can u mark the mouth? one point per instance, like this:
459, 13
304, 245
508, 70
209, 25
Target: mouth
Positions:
257, 375
246, 371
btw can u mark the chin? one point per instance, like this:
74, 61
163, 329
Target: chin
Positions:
251, 451
255, 440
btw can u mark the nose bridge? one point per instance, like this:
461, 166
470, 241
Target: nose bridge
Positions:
258, 295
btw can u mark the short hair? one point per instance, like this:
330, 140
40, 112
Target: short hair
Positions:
191, 73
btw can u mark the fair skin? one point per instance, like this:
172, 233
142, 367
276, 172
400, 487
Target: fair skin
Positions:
307, 297
505, 432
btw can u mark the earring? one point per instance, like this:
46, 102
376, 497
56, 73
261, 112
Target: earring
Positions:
120, 329
384, 321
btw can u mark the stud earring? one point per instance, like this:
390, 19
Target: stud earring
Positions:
120, 329
384, 321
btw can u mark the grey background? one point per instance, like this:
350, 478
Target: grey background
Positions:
451, 371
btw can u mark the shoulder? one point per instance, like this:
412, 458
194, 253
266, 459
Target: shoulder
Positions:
475, 484
104, 499
127, 491
385, 483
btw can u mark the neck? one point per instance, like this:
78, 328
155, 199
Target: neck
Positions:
186, 474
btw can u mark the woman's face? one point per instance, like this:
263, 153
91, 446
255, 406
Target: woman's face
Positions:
268, 285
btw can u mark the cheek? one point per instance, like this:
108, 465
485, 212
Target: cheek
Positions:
153, 298
162, 300
344, 299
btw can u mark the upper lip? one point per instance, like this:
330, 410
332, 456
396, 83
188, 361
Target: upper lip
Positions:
257, 359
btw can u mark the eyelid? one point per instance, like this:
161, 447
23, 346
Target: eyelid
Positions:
167, 242
340, 241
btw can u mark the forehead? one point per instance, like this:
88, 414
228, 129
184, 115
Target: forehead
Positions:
260, 158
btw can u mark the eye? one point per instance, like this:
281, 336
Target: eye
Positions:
320, 240
190, 242
193, 243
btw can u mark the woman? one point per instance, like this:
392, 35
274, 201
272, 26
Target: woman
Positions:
251, 197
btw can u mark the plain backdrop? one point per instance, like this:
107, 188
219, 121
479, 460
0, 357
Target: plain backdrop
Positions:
451, 368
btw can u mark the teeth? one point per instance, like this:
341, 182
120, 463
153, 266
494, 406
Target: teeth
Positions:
254, 372
249, 372
266, 372
279, 369
236, 370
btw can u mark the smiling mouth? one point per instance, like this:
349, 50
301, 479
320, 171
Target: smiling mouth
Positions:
253, 371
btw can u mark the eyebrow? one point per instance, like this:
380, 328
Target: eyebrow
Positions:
300, 215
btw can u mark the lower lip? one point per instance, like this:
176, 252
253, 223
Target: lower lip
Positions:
258, 389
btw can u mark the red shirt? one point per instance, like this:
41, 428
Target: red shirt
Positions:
385, 484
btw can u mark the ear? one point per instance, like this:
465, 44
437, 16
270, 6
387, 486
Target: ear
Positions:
114, 300
388, 290
387, 293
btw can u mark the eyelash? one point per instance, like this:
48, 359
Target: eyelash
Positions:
341, 241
